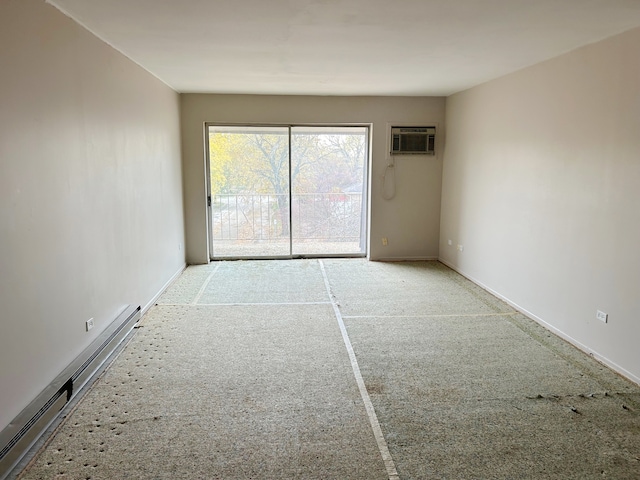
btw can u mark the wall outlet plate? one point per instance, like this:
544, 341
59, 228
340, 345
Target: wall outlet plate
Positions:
89, 324
603, 317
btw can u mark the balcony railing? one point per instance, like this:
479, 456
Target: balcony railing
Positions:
317, 217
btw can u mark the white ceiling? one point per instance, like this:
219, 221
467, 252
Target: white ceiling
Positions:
345, 47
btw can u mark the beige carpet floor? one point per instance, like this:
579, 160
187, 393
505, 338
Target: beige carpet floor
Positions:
344, 369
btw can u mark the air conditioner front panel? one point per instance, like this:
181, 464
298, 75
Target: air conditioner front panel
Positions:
413, 140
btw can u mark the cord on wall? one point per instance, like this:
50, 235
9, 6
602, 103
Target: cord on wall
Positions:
389, 188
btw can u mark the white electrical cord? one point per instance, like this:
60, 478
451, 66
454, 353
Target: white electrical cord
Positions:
392, 190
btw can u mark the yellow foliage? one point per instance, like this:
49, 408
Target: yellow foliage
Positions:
220, 157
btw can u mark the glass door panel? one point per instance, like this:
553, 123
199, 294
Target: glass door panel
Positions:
328, 184
249, 185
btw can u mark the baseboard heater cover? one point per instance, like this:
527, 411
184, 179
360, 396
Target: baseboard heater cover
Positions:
17, 438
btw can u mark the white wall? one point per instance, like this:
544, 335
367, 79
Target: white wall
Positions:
541, 185
410, 221
90, 193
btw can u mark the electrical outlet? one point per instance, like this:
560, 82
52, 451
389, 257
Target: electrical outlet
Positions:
385, 242
89, 324
460, 248
603, 317
449, 242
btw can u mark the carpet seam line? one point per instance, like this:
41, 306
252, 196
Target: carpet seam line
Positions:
373, 418
238, 304
434, 315
204, 286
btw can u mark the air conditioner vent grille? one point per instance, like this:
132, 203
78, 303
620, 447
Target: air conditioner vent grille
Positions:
413, 140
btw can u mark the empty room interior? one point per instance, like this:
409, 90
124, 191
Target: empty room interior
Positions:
332, 239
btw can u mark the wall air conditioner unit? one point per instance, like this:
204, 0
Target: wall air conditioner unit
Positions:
413, 140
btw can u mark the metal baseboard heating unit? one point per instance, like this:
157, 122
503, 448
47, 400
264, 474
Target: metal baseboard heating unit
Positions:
20, 435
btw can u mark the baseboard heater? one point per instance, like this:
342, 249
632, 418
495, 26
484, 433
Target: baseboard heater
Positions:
19, 436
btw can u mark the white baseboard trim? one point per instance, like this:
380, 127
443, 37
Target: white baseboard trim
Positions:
403, 259
601, 358
168, 283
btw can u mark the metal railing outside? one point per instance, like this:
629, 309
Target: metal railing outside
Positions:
318, 217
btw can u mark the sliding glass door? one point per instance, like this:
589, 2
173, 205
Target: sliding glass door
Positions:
328, 190
281, 192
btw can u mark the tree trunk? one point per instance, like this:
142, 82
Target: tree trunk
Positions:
283, 212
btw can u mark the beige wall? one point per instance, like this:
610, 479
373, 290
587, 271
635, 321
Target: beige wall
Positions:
90, 193
541, 186
410, 221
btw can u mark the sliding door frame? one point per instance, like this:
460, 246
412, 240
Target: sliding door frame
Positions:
366, 200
